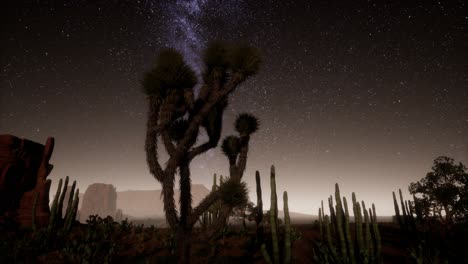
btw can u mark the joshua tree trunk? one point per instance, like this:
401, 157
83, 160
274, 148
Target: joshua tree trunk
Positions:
184, 229
183, 240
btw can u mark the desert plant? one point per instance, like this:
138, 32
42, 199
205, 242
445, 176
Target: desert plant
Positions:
425, 239
176, 117
57, 220
97, 244
259, 208
406, 221
274, 256
236, 148
210, 216
442, 193
337, 245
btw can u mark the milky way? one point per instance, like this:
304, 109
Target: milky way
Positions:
185, 30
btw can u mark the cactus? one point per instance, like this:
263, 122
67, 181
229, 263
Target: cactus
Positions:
274, 216
339, 246
259, 208
339, 221
424, 244
54, 209
56, 217
274, 227
62, 198
71, 210
397, 210
287, 230
208, 218
347, 232
377, 240
407, 222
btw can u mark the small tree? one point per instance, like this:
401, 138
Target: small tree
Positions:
236, 148
442, 193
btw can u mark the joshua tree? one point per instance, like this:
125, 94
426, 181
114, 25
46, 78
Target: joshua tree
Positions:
175, 116
236, 149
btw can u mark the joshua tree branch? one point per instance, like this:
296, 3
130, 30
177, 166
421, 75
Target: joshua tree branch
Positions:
233, 171
213, 99
169, 203
242, 161
168, 143
185, 189
197, 120
151, 145
201, 149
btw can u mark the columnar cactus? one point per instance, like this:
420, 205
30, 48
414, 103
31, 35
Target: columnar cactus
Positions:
339, 246
211, 215
407, 221
259, 208
56, 218
397, 210
54, 209
273, 215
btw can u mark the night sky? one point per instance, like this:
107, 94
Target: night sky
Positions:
363, 93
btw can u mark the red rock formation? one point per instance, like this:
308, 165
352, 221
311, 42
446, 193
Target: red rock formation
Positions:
24, 167
100, 199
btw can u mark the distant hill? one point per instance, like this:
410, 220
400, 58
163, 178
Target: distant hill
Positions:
144, 204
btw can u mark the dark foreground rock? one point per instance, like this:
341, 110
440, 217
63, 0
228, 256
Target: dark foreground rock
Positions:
24, 167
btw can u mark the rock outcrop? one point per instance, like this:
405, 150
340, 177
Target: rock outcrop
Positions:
24, 167
99, 199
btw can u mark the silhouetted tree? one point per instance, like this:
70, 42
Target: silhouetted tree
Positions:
236, 148
175, 116
442, 193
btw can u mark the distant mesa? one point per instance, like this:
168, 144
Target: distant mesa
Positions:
145, 204
98, 199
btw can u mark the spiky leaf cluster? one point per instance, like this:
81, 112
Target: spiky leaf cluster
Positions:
246, 124
219, 58
234, 193
169, 72
230, 147
245, 59
177, 129
216, 56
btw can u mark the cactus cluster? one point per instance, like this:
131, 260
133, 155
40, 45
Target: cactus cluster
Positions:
409, 208
338, 245
274, 256
57, 219
209, 217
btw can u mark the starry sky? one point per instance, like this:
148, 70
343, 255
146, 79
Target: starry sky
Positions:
363, 93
